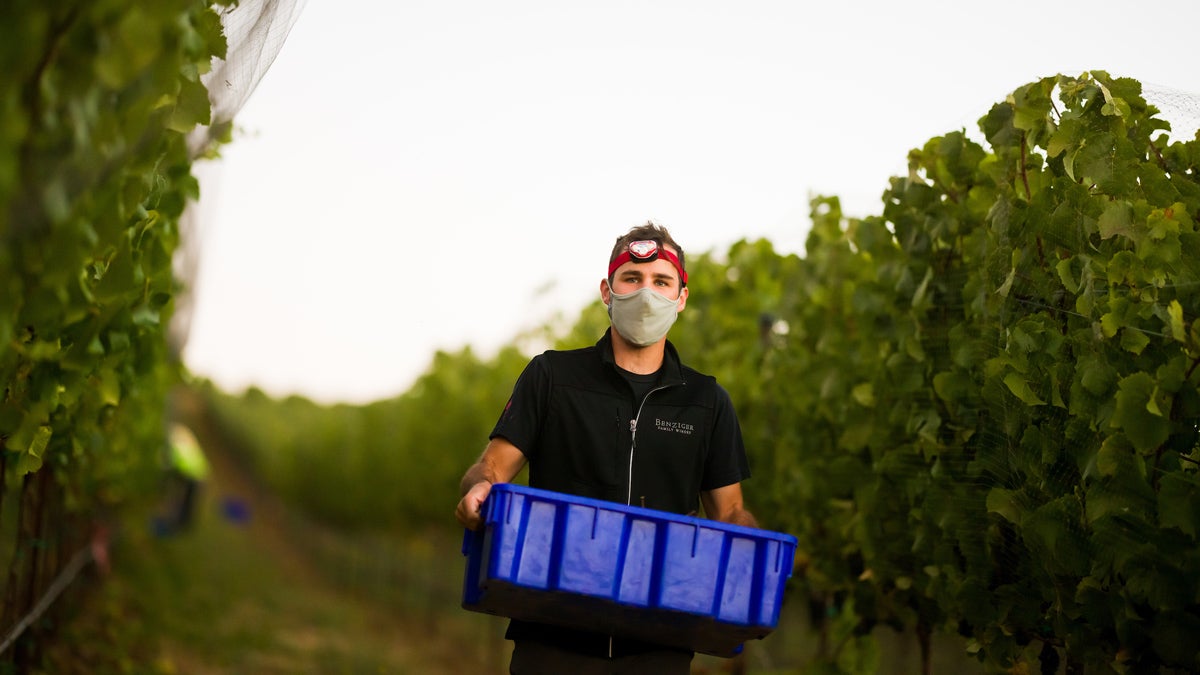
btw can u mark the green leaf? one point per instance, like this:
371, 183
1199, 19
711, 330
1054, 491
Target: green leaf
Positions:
1053, 530
1068, 135
919, 301
1066, 276
1176, 325
1096, 160
144, 315
119, 279
864, 394
134, 45
1126, 268
1020, 388
951, 386
1134, 340
109, 387
40, 440
1179, 504
28, 463
1117, 219
191, 108
1149, 582
43, 350
31, 459
1005, 504
1096, 376
1113, 105
1152, 406
1173, 634
1114, 452
1132, 415
1008, 282
1161, 246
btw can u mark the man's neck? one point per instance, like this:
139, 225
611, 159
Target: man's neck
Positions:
640, 360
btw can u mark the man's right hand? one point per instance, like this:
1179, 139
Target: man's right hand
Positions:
500, 462
469, 511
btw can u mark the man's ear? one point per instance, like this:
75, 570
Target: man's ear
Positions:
683, 296
605, 292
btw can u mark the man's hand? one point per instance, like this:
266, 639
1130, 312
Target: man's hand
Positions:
470, 507
725, 504
500, 462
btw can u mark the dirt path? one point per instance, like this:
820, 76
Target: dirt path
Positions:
306, 621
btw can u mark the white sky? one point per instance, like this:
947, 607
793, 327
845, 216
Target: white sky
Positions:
414, 176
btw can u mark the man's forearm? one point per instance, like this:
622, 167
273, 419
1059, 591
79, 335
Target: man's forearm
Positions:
742, 517
476, 474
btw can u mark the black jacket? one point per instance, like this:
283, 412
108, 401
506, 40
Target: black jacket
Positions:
577, 420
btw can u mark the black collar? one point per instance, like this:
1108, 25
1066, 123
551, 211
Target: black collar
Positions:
672, 368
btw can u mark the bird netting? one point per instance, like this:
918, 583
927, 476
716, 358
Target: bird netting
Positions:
255, 31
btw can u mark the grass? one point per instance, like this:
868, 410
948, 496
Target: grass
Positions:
268, 594
229, 598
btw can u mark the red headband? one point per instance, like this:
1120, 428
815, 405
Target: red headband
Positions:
646, 251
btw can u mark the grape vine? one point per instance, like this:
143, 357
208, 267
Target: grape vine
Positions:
95, 173
979, 410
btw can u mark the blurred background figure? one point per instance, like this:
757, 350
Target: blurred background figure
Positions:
187, 469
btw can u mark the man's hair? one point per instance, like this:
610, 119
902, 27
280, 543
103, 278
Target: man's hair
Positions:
648, 232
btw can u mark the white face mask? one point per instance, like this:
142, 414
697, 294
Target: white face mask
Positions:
642, 317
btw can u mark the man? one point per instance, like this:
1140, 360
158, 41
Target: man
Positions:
625, 421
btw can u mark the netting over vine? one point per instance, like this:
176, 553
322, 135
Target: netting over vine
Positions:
255, 32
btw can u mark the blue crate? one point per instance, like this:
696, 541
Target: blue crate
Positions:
625, 570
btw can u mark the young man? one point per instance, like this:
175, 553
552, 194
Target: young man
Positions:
625, 421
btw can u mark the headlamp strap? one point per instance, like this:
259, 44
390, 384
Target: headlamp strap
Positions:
646, 251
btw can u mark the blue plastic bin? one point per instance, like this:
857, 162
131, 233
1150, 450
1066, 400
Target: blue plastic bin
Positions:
625, 570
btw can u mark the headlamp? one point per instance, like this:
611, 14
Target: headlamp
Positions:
647, 251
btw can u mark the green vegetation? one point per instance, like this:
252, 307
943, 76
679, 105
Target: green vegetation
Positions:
94, 177
390, 464
96, 104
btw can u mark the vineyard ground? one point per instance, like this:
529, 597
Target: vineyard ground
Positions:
238, 597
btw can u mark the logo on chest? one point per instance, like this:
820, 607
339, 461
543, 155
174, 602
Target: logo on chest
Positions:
676, 427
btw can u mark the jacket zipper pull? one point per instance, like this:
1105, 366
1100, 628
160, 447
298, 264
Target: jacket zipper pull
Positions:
633, 424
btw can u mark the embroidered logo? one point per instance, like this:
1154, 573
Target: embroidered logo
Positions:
678, 427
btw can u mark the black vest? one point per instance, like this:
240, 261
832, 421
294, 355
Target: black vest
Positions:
578, 422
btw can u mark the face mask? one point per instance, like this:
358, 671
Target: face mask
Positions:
642, 317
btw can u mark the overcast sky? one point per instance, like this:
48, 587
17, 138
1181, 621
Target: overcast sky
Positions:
414, 176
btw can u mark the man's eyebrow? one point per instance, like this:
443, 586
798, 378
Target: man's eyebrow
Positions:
637, 271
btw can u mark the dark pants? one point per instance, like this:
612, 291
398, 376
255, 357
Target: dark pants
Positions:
531, 657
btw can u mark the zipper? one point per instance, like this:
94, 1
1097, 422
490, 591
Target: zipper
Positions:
633, 424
